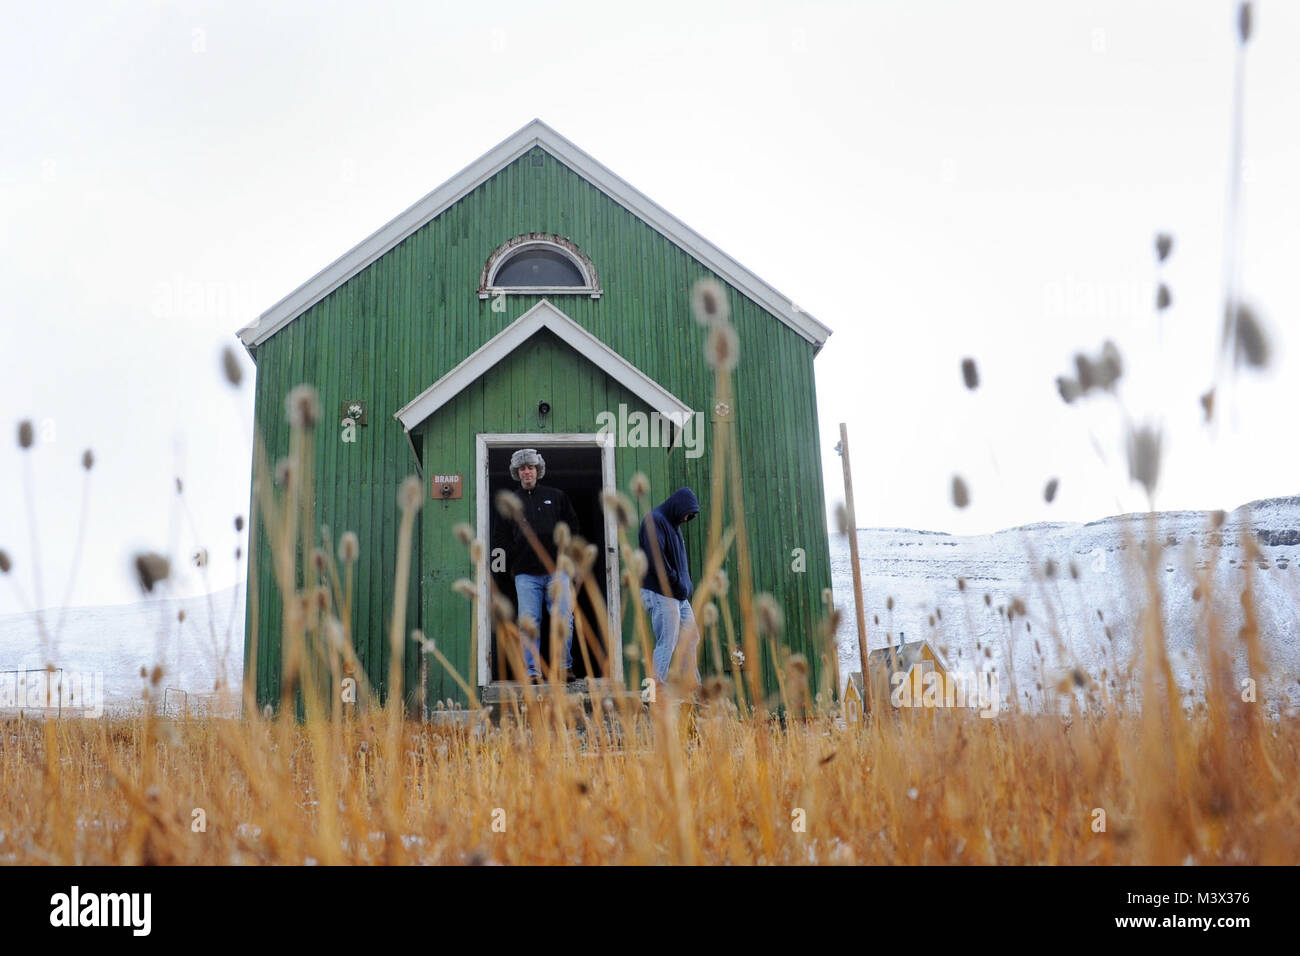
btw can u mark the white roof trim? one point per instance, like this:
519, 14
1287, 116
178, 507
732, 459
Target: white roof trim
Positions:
453, 190
543, 315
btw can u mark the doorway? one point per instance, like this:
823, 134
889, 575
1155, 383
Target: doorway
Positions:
582, 466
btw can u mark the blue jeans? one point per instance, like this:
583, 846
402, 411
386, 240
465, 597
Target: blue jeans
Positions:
531, 589
671, 620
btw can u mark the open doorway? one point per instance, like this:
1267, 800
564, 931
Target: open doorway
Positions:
581, 466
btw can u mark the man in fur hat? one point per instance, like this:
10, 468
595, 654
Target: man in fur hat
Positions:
543, 508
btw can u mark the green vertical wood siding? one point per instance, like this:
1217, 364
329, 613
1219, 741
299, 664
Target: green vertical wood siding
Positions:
402, 323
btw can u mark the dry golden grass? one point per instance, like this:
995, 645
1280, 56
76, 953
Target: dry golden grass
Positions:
913, 787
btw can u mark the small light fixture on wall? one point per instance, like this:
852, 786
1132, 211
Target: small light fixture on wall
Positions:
543, 408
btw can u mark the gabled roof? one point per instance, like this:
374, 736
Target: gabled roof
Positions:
489, 164
905, 655
543, 315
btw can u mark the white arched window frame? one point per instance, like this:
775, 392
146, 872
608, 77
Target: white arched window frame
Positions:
520, 244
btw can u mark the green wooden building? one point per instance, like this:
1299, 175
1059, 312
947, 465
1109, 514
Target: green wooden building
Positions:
535, 299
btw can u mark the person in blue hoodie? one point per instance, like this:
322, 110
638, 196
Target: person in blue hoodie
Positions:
666, 587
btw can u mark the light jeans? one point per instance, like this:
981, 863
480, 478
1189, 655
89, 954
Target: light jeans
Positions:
531, 589
671, 619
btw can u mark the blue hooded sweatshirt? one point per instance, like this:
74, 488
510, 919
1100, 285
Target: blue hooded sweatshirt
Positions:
666, 521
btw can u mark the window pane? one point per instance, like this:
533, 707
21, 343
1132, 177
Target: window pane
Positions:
538, 267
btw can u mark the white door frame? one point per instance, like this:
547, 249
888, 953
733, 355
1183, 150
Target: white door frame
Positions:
485, 440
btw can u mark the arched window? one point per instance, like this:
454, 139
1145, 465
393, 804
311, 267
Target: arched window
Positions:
537, 263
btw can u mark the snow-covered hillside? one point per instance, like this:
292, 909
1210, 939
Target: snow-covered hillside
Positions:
118, 640
1090, 595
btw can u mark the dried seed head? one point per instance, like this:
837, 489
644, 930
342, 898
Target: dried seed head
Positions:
1144, 457
230, 366
1252, 343
709, 302
150, 568
528, 627
1018, 606
639, 485
502, 609
770, 618
465, 588
1074, 571
842, 518
155, 675
1049, 492
631, 652
889, 603
1217, 518
970, 374
334, 634
1069, 389
715, 688
180, 487
1084, 372
1163, 298
561, 534
322, 598
239, 523
411, 494
1207, 404
1049, 568
349, 547
303, 407
180, 615
1164, 242
5, 563
464, 533
960, 493
1243, 22
988, 599
26, 434
87, 459
620, 505
1109, 366
508, 505
709, 615
797, 665
320, 561
564, 565
637, 563
589, 555
476, 551
721, 582
283, 471
722, 347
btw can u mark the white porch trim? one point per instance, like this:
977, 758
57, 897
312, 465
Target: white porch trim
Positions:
543, 316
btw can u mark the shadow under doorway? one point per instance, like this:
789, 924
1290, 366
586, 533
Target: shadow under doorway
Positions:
575, 470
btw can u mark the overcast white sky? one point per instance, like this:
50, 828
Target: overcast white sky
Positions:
931, 180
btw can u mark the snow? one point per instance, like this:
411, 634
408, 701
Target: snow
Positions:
920, 571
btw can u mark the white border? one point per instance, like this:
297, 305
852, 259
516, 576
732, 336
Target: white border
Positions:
589, 281
613, 598
503, 154
543, 315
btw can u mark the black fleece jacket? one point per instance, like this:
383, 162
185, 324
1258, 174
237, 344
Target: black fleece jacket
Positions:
544, 507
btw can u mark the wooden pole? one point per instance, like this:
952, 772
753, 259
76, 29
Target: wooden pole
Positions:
857, 569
